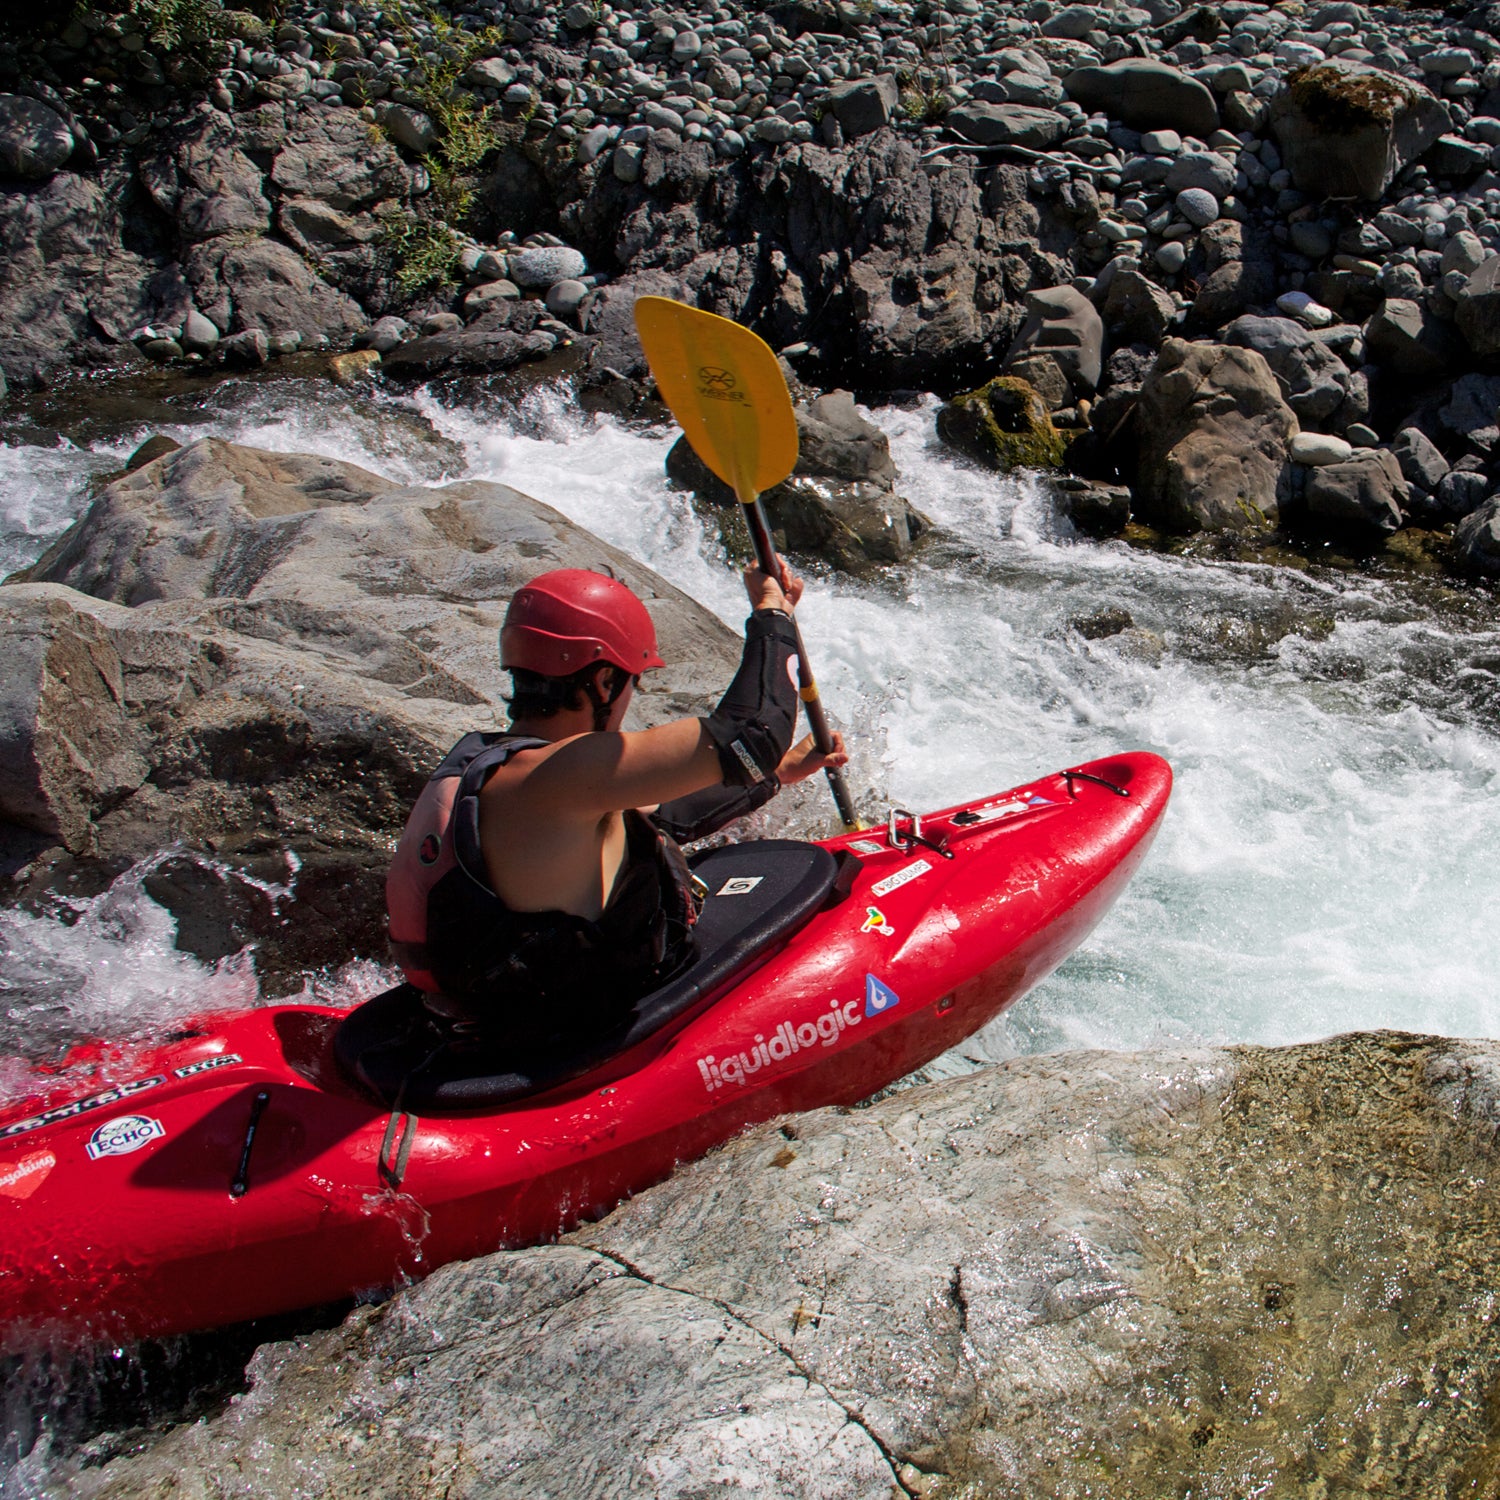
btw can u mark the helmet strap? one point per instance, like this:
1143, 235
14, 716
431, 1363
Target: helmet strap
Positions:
604, 701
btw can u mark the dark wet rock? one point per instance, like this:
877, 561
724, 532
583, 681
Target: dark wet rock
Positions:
35, 140
459, 350
1313, 379
1213, 432
1346, 129
1422, 464
840, 503
1405, 338
1365, 493
1095, 508
247, 651
1003, 425
1472, 410
999, 1285
1146, 95
1477, 539
1460, 492
1478, 310
155, 447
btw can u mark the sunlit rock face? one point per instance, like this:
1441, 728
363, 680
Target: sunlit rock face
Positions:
1213, 1272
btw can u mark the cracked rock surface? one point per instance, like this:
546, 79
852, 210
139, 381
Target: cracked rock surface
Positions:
1211, 1272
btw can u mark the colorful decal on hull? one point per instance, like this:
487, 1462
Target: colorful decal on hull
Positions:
20, 1179
903, 876
866, 846
101, 1100
879, 997
739, 885
122, 1135
875, 922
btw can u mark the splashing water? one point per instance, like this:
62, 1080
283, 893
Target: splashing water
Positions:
1326, 860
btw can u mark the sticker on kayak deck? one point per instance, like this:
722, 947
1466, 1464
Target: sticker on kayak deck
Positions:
875, 922
739, 885
900, 878
122, 1135
100, 1100
867, 846
20, 1179
879, 997
208, 1064
1013, 805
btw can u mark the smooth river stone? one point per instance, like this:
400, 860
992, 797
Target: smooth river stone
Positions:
1319, 448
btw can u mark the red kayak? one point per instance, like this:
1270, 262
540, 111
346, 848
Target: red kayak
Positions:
267, 1160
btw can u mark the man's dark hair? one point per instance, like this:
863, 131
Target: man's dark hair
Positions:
534, 696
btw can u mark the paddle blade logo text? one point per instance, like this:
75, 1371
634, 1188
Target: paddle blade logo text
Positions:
715, 383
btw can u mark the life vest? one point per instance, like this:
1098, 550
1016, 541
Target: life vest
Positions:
479, 961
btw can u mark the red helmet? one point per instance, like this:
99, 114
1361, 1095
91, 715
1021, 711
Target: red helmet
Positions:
569, 618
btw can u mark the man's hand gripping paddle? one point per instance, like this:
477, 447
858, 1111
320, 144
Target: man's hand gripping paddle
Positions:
725, 388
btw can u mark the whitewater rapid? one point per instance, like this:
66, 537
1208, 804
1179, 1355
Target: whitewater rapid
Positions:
1327, 862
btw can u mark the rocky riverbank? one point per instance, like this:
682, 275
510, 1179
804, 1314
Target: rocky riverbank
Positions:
1243, 258
1215, 1272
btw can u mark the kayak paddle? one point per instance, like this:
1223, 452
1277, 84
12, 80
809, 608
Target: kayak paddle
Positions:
726, 389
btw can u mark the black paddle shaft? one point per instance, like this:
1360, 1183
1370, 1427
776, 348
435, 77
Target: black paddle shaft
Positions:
817, 720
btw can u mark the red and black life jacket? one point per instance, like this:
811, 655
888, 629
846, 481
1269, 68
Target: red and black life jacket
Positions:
479, 961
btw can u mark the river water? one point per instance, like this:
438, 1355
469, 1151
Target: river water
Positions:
1328, 861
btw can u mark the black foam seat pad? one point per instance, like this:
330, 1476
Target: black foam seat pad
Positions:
759, 894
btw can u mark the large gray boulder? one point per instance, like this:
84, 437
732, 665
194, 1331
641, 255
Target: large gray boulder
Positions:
252, 652
1213, 432
839, 504
1313, 379
1346, 129
1068, 1276
1063, 326
35, 141
1145, 95
1477, 539
1366, 493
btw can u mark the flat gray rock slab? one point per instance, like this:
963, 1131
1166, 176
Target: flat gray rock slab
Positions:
1070, 1275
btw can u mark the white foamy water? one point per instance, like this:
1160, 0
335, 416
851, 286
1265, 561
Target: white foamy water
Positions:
1327, 860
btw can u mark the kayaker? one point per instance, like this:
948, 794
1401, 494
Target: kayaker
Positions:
539, 886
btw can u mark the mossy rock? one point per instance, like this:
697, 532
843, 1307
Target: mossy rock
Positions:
1340, 101
1004, 425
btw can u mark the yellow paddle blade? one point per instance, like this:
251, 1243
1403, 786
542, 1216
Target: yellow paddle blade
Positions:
725, 388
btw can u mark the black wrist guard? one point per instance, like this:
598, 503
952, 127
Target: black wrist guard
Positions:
753, 725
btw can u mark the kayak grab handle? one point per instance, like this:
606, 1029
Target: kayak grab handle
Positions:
241, 1184
1071, 776
914, 835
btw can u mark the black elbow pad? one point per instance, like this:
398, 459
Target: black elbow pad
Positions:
753, 725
